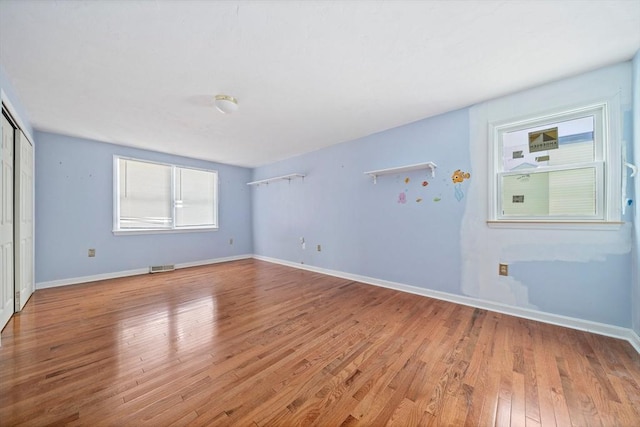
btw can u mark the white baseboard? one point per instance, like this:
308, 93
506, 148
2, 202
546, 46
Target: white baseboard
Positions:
634, 340
540, 316
92, 278
213, 261
137, 271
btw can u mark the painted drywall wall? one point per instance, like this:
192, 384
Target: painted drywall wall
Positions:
635, 279
551, 253
74, 212
442, 243
405, 228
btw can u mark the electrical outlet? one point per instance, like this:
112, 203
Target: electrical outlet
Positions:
92, 253
319, 248
503, 269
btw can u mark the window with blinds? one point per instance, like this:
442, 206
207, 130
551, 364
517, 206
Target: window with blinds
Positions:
551, 168
195, 204
155, 197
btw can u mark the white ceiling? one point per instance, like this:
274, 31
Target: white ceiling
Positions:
307, 74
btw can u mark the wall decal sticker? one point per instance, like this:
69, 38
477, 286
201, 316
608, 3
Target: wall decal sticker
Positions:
436, 199
404, 196
458, 193
459, 176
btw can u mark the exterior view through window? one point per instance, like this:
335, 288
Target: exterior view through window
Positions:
553, 168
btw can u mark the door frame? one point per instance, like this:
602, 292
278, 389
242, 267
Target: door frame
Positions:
14, 116
8, 283
23, 280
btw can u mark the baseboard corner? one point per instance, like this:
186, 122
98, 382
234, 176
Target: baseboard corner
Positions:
634, 340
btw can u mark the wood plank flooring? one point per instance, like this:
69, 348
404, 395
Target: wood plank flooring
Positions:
250, 343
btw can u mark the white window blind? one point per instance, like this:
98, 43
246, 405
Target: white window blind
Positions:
157, 197
195, 191
145, 195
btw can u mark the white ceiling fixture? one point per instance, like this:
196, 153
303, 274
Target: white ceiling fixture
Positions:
309, 74
226, 104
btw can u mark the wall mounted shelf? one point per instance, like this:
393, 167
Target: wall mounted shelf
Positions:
277, 178
428, 165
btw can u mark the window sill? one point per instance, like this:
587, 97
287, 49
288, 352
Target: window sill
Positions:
557, 225
135, 231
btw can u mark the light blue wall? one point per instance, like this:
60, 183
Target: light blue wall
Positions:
361, 226
635, 287
447, 245
541, 260
595, 290
74, 212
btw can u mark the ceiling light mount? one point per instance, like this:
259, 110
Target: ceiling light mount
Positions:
226, 104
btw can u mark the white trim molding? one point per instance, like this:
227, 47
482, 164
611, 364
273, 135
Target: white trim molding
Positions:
554, 319
607, 150
92, 278
213, 261
14, 114
634, 340
135, 272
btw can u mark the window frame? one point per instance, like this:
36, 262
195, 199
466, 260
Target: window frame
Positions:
607, 148
174, 228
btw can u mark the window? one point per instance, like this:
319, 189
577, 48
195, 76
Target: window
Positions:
156, 197
555, 168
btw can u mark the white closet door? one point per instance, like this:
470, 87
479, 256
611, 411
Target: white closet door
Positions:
24, 220
6, 224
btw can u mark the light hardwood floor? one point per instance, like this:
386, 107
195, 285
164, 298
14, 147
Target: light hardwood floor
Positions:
251, 343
